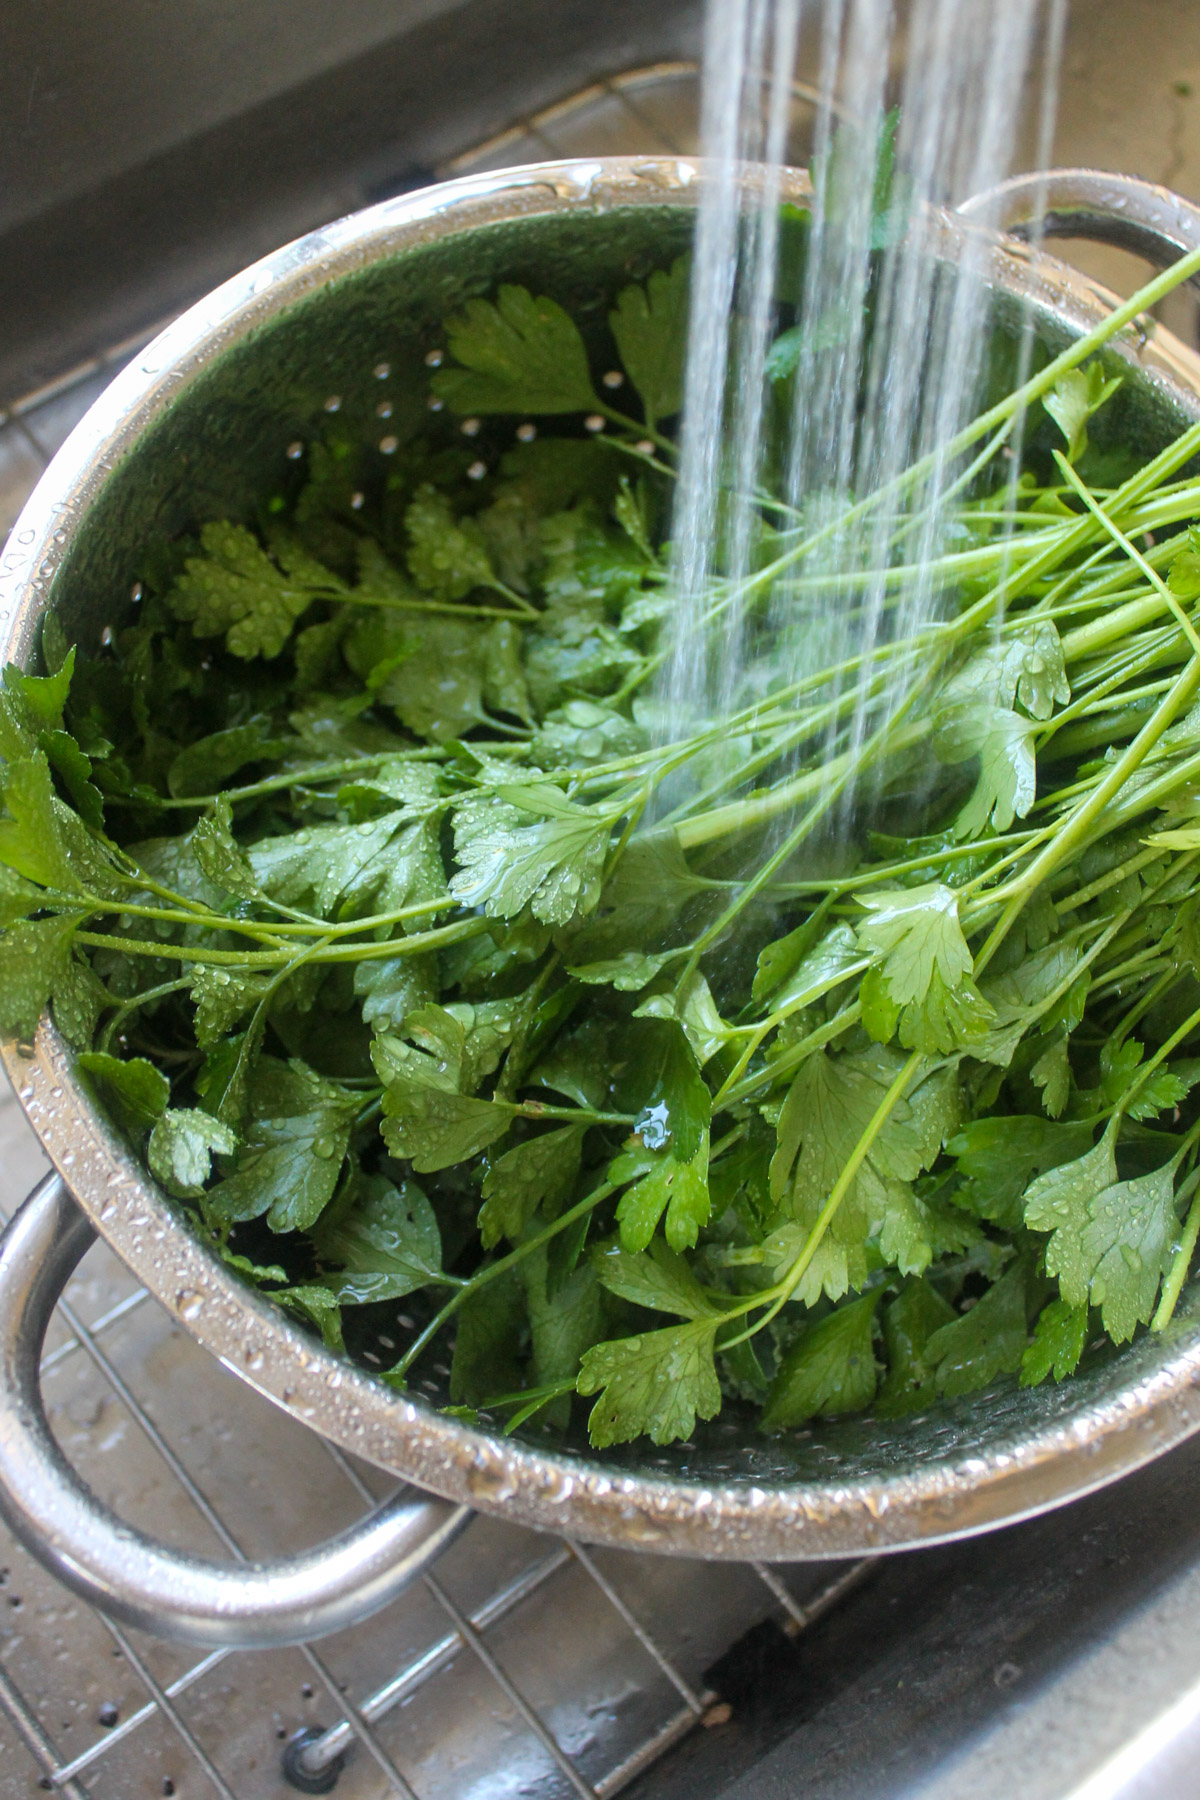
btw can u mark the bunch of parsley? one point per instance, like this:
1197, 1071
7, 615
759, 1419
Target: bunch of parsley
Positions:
336, 868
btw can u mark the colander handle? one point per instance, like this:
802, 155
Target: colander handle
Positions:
127, 1575
1123, 210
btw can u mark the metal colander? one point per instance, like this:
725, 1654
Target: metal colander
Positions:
201, 426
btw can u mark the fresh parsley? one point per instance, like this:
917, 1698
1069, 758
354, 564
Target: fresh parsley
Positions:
461, 999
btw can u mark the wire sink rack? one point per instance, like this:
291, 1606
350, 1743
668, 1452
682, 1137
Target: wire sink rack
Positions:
524, 1666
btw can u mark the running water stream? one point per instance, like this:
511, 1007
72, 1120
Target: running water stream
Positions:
814, 380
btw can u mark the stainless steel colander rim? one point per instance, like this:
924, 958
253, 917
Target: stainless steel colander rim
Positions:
1014, 1476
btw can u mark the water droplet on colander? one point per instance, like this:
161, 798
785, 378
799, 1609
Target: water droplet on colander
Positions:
665, 174
491, 1480
640, 1529
189, 1303
575, 184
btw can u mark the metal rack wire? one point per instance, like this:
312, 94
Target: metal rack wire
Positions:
553, 1724
313, 1759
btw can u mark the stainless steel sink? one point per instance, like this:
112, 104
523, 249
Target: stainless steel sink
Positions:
1023, 1664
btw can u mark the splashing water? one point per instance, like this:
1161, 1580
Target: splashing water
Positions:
780, 568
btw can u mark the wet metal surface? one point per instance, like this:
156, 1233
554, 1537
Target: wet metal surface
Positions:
76, 1701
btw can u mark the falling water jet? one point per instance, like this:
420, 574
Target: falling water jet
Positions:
885, 345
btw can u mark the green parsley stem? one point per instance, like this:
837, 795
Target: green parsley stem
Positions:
572, 1115
1145, 1001
539, 1398
370, 1111
888, 872
145, 998
482, 1277
955, 565
137, 878
1182, 1260
1075, 538
528, 1401
961, 482
1103, 882
776, 1298
1146, 1070
791, 842
453, 609
637, 427
1134, 555
731, 1092
273, 784
889, 734
1095, 721
641, 456
1066, 838
413, 945
263, 931
1115, 986
492, 1272
266, 931
745, 815
514, 1065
